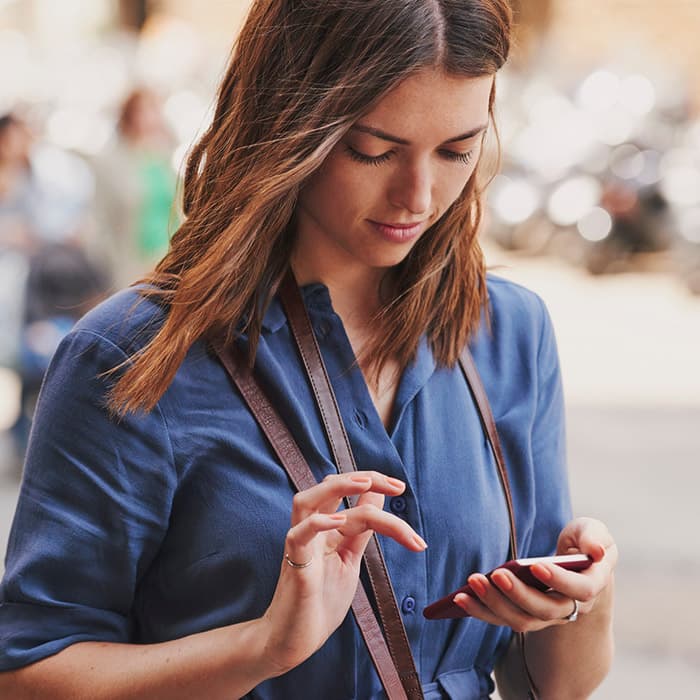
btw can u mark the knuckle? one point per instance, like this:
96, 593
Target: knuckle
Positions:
298, 501
369, 473
586, 596
316, 519
366, 510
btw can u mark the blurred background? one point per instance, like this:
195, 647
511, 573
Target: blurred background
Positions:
597, 208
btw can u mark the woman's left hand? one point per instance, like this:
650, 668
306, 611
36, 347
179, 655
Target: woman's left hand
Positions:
506, 600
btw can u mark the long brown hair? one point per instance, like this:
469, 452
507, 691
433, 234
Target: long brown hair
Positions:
301, 73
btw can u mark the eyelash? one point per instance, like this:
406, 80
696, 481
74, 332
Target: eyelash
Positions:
463, 158
368, 160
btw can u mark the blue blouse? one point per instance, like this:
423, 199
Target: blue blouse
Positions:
164, 524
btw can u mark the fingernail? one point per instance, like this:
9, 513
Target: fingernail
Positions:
502, 581
338, 516
420, 541
477, 586
396, 483
542, 572
461, 599
360, 479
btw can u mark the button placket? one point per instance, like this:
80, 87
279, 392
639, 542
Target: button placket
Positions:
361, 418
323, 328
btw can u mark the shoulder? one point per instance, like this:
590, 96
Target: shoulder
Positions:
127, 320
516, 341
515, 309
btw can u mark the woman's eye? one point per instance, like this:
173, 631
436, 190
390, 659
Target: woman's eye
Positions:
465, 158
368, 160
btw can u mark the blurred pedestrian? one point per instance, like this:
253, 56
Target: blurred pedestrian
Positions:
15, 183
330, 243
45, 192
47, 281
136, 188
62, 284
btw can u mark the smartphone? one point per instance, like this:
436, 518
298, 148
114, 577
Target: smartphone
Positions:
446, 608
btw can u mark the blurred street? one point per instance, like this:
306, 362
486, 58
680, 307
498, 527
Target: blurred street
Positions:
629, 344
629, 347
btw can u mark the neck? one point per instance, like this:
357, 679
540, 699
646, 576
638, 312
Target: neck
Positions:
354, 289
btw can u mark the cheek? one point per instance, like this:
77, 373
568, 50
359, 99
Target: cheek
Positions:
452, 187
332, 185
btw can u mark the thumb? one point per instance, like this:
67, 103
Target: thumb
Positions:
585, 535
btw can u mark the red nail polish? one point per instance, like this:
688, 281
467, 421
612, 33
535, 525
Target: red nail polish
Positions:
477, 586
542, 572
461, 599
502, 581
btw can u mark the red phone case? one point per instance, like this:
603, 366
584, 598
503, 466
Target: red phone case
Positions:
445, 607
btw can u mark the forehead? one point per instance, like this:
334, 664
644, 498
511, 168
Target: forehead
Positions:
432, 106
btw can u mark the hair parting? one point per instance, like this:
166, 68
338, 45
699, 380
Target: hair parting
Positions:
300, 74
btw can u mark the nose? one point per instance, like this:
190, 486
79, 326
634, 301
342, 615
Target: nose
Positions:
412, 188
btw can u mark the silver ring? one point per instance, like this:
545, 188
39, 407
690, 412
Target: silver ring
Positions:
573, 616
294, 565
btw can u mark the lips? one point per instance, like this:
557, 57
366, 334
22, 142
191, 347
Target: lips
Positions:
401, 226
398, 232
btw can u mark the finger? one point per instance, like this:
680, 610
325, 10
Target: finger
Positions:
594, 540
585, 585
298, 543
363, 520
586, 535
370, 498
327, 496
547, 606
475, 608
501, 608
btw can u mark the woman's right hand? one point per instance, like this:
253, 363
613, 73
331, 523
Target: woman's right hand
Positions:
310, 602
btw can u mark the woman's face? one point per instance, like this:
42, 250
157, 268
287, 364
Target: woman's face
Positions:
393, 175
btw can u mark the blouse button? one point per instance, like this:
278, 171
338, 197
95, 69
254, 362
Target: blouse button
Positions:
408, 604
398, 505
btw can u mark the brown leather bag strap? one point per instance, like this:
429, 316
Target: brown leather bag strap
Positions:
488, 422
301, 476
383, 592
478, 392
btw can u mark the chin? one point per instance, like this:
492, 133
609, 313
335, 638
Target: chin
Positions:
387, 261
389, 256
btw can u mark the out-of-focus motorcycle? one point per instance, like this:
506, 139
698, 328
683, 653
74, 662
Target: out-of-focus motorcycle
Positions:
605, 221
582, 175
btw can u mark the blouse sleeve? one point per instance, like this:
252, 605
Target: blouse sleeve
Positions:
548, 445
92, 510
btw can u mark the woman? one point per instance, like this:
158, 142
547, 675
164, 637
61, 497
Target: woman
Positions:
135, 189
152, 554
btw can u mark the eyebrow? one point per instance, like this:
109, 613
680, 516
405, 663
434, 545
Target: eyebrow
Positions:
395, 139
